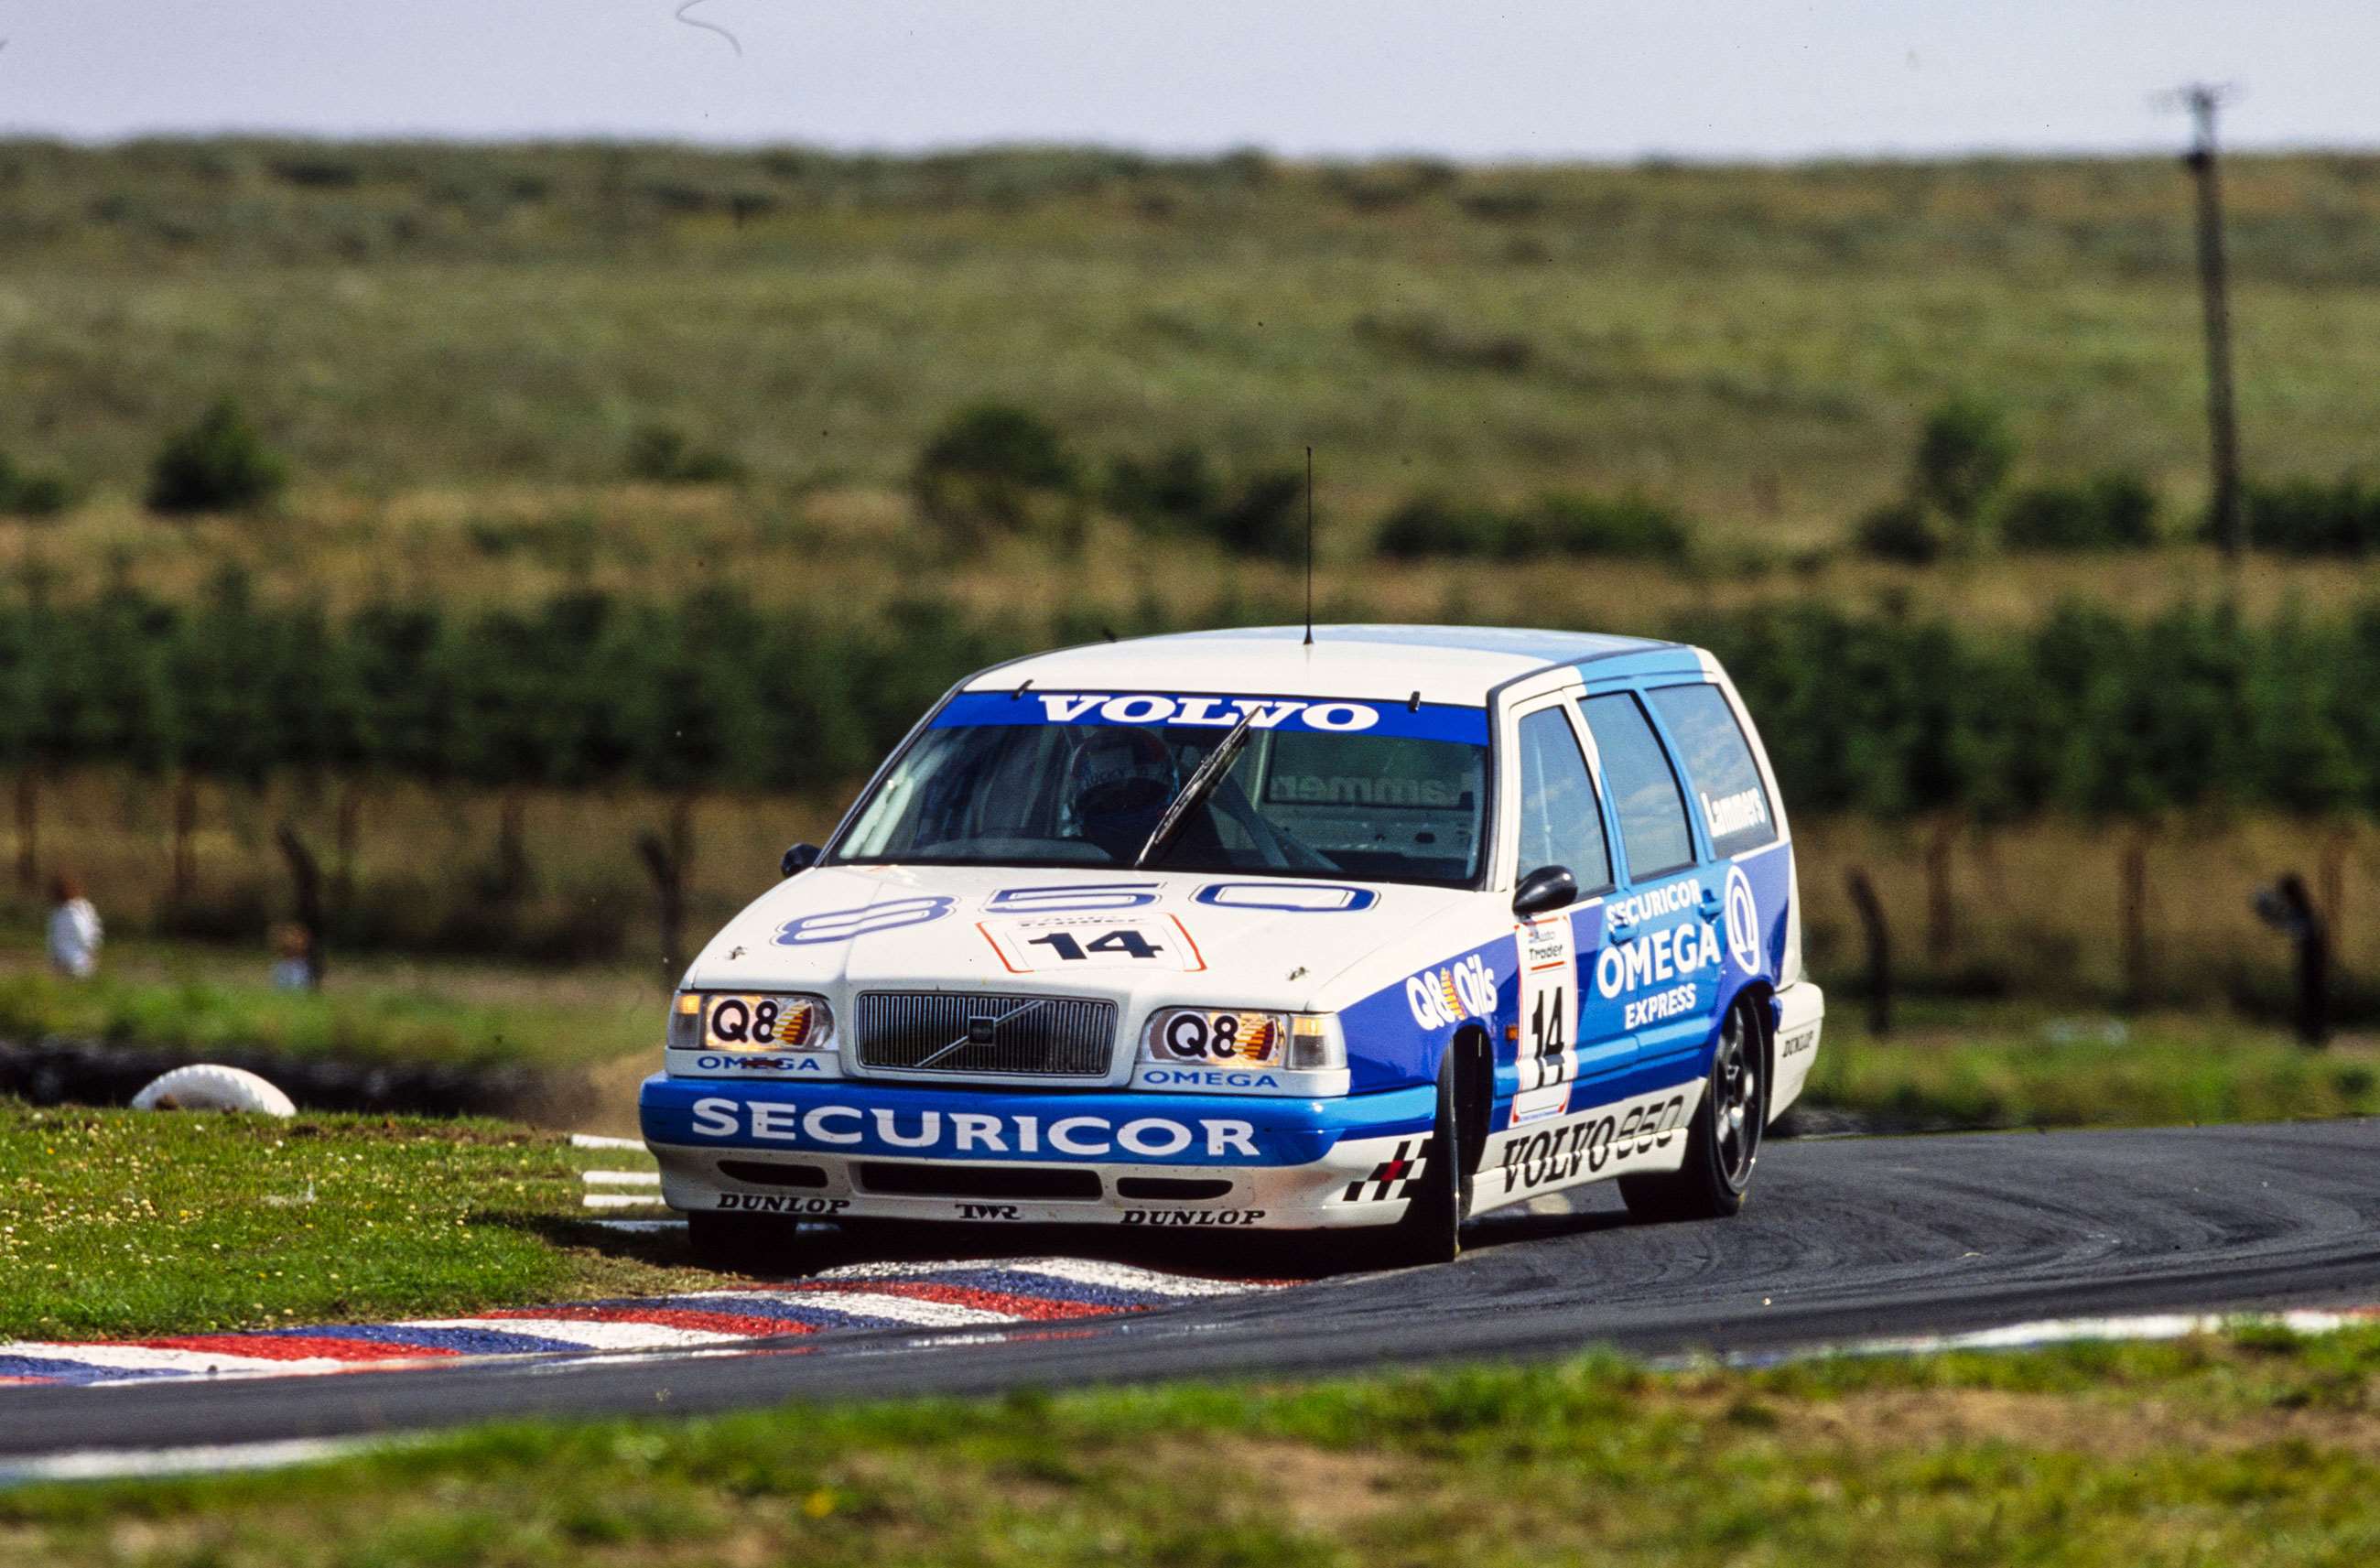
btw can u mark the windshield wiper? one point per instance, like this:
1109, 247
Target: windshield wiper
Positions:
1202, 779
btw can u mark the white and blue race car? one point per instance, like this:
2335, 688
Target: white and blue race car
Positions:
1229, 930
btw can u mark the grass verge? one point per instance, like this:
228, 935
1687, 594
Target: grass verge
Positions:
197, 1001
120, 1222
2262, 1448
1973, 1065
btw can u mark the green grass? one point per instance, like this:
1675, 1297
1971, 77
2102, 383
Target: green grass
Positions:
2257, 1450
192, 998
1754, 345
121, 1222
1975, 1066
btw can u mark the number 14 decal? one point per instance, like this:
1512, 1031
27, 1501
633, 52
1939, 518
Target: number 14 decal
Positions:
1550, 1008
1091, 942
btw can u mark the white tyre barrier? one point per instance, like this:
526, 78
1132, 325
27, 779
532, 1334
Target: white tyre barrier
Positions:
205, 1086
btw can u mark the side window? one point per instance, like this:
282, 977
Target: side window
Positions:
1644, 789
1560, 822
1719, 769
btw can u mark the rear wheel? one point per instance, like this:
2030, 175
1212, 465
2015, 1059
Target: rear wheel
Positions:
741, 1243
1431, 1230
1716, 1178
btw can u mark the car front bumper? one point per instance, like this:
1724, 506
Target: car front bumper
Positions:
852, 1149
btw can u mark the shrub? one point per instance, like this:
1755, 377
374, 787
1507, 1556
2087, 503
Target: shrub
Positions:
1262, 517
1432, 524
1177, 490
24, 495
1179, 493
666, 455
218, 465
983, 472
1963, 453
1906, 531
2303, 518
2110, 512
1551, 525
1583, 525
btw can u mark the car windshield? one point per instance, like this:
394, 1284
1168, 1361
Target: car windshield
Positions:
1383, 792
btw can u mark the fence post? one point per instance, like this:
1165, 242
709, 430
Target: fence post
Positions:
669, 861
2289, 908
305, 885
1879, 950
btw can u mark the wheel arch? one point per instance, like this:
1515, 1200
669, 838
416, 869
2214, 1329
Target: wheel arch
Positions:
1474, 1091
1760, 997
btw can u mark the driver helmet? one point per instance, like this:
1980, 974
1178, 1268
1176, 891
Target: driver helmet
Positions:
1118, 783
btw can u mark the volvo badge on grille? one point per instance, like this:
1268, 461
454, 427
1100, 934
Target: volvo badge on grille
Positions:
979, 1030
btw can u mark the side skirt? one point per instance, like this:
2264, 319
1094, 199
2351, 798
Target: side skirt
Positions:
1646, 1133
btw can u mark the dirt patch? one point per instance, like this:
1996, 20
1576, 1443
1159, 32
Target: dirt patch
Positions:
1909, 1419
1324, 1491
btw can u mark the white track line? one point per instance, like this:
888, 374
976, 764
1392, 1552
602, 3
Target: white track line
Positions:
621, 1200
2046, 1331
593, 1335
146, 1358
596, 1140
640, 1227
621, 1178
1124, 1276
900, 1308
102, 1465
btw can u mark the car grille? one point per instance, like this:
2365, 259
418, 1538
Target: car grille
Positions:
922, 1031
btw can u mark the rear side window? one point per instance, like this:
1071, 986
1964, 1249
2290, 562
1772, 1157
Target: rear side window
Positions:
1644, 788
1719, 769
1561, 824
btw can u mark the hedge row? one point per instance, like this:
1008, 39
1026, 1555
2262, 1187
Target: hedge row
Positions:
2083, 711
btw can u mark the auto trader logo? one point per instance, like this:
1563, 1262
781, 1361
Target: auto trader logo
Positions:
1448, 995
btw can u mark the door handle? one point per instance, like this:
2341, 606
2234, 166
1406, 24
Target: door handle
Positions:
1712, 900
1618, 929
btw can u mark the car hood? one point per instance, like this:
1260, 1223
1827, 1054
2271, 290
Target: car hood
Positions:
1247, 941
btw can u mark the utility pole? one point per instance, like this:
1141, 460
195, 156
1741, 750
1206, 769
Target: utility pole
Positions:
2222, 425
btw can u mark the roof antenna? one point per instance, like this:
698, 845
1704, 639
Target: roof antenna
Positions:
1309, 547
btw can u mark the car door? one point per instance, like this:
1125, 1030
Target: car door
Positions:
1657, 977
1560, 822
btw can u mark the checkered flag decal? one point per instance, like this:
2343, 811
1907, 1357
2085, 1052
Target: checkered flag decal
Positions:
1394, 1176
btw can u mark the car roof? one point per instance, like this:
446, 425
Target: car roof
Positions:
1457, 665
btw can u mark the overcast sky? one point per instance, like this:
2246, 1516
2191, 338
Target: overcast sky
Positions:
1470, 78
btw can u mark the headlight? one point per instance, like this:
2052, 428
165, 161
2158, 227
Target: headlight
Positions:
1299, 1042
739, 1021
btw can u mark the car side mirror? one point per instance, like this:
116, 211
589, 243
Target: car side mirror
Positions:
1547, 887
800, 857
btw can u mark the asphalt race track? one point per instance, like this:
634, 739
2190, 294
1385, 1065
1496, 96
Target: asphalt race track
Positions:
1847, 1239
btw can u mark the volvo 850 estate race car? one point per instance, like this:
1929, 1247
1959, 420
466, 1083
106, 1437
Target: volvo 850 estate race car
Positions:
1226, 929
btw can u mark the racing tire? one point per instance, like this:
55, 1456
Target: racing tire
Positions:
1431, 1228
206, 1087
1715, 1180
740, 1243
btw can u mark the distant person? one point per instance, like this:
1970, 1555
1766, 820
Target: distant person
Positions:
75, 931
293, 959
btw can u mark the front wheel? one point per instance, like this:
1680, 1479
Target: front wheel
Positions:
1431, 1230
1716, 1177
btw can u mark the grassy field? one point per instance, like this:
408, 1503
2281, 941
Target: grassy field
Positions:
196, 999
2034, 907
455, 344
120, 1222
862, 549
2258, 1449
1965, 1065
